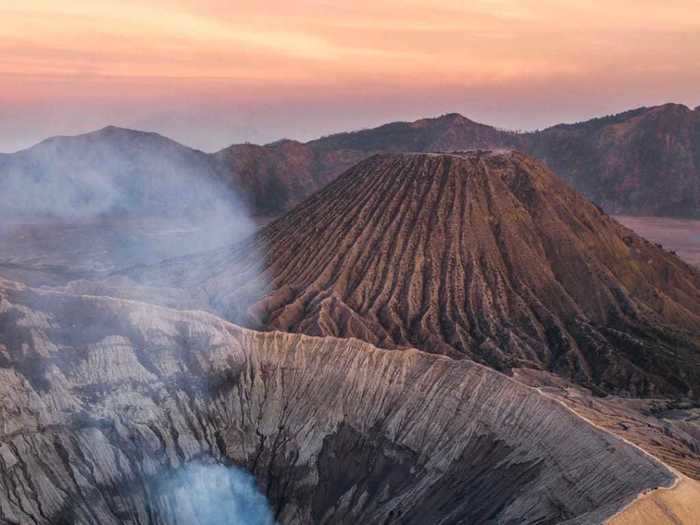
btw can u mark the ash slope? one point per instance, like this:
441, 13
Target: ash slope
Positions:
481, 255
335, 431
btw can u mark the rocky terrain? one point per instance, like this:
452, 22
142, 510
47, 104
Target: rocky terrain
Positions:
334, 430
669, 429
478, 255
444, 337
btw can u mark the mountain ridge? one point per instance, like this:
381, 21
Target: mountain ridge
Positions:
620, 161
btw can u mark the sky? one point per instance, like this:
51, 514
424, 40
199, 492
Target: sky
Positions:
210, 73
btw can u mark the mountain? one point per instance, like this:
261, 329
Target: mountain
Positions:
112, 170
101, 425
480, 255
429, 266
73, 206
645, 161
642, 162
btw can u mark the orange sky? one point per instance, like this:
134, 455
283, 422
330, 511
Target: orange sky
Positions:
212, 72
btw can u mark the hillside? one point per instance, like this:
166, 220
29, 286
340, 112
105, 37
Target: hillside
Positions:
643, 162
278, 176
94, 203
112, 170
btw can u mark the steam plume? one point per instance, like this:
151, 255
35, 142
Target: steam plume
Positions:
201, 494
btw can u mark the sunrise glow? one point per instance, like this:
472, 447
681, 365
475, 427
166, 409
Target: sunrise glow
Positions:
516, 63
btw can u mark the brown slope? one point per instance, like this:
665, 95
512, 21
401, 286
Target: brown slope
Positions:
335, 431
480, 255
679, 235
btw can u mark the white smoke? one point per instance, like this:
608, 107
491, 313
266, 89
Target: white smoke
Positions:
116, 198
200, 494
110, 200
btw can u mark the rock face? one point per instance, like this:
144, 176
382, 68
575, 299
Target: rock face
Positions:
102, 398
481, 255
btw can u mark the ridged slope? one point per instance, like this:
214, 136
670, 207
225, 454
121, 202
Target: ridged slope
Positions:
481, 255
335, 431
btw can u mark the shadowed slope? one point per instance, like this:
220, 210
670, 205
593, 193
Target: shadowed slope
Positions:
335, 431
480, 255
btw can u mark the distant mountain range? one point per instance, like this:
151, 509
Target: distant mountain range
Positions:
642, 162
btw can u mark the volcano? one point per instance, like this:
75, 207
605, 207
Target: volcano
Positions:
481, 255
388, 307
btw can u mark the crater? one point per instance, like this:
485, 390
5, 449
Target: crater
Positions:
332, 430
